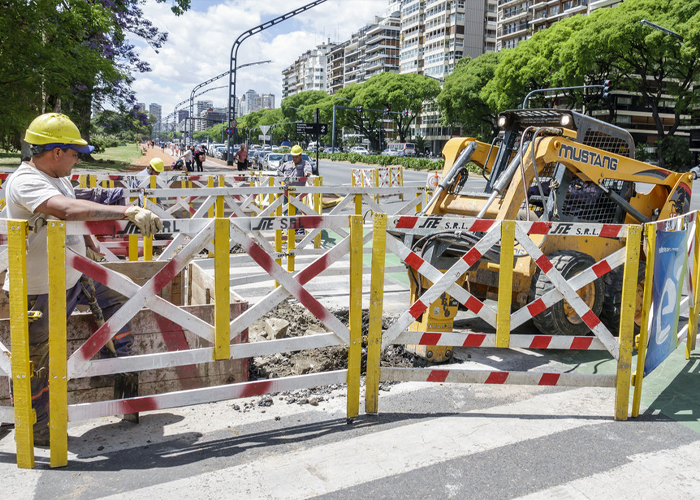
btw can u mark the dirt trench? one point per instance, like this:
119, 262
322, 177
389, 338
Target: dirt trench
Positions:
290, 319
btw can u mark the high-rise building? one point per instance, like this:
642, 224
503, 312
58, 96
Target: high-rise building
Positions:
435, 34
308, 72
200, 106
155, 110
141, 106
182, 114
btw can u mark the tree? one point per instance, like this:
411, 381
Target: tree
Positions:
405, 96
66, 55
463, 100
535, 64
647, 62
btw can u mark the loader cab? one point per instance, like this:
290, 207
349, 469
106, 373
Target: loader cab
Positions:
585, 129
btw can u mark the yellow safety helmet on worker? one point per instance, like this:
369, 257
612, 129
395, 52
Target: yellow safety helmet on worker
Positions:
296, 150
55, 130
157, 164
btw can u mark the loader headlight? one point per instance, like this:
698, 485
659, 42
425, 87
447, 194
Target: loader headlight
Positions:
565, 121
502, 121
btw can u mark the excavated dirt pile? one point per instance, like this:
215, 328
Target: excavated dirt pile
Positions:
293, 320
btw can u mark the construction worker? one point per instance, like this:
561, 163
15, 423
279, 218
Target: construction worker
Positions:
155, 167
295, 168
39, 189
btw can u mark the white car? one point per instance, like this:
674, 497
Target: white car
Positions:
273, 161
359, 150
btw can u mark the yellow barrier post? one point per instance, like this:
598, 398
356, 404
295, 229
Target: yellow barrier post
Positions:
376, 306
82, 181
211, 213
58, 373
355, 320
400, 181
375, 183
148, 240
25, 417
291, 234
638, 377
92, 181
627, 312
419, 207
695, 308
358, 204
222, 312
278, 234
505, 283
318, 208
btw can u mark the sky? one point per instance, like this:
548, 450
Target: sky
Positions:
199, 45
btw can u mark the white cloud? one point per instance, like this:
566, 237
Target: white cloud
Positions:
199, 44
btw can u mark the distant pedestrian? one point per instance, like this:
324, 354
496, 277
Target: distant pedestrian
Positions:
199, 159
241, 158
188, 156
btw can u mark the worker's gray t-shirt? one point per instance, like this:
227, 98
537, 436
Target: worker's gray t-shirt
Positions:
25, 190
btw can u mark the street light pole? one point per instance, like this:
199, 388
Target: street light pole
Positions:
661, 28
204, 84
234, 63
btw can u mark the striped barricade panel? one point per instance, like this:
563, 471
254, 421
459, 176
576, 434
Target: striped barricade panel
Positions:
580, 343
496, 377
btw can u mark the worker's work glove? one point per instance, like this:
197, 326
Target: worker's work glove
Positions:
147, 222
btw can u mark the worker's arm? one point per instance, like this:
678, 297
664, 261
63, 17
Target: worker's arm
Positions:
66, 208
69, 209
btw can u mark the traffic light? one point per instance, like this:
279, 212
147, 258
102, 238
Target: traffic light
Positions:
606, 89
359, 109
405, 113
387, 111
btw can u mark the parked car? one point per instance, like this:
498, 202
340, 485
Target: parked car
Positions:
359, 150
259, 159
331, 150
273, 161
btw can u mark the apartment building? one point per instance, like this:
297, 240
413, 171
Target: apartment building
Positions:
519, 19
435, 34
156, 110
308, 72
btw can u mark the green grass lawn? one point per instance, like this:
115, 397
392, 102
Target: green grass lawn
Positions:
113, 159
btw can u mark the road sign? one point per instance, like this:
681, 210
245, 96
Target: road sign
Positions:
233, 123
228, 131
265, 128
312, 128
264, 137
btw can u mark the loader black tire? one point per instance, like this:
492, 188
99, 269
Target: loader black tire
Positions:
560, 319
610, 314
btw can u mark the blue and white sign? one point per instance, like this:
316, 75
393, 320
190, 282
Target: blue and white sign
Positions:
669, 268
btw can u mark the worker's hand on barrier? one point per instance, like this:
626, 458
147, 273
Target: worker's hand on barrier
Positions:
147, 222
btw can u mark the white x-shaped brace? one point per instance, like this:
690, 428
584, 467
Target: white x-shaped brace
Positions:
568, 292
563, 288
140, 297
202, 213
442, 282
291, 284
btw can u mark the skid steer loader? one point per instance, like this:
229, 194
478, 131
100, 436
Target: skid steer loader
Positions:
550, 165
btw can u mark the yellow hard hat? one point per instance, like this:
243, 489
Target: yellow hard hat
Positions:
157, 164
296, 150
56, 130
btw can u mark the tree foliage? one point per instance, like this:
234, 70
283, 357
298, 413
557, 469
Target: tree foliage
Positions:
659, 70
66, 55
463, 99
